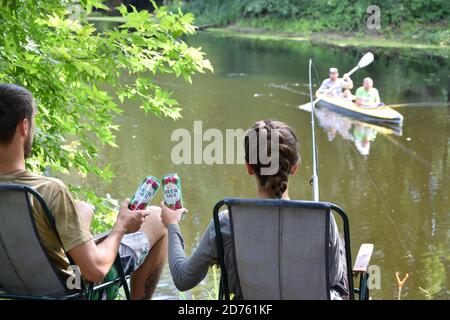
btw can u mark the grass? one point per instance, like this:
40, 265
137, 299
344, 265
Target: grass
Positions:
212, 293
332, 39
430, 37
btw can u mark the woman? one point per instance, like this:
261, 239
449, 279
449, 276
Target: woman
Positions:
187, 272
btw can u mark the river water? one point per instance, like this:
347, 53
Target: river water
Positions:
393, 183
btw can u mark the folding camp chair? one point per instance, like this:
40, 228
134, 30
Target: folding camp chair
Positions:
26, 270
280, 250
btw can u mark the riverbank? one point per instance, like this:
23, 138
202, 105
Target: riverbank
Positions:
332, 38
437, 34
419, 24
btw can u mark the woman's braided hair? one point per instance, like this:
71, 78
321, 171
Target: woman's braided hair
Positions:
288, 154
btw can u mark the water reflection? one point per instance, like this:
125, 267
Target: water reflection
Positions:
361, 133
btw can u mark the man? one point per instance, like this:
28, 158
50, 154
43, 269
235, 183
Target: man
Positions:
367, 96
335, 85
138, 236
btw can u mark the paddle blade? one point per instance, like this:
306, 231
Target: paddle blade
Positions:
366, 60
306, 107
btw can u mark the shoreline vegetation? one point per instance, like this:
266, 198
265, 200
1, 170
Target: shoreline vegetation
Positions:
329, 38
416, 24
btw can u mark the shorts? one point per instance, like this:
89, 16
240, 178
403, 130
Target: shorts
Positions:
133, 250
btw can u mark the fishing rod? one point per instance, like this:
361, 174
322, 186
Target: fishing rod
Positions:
363, 62
315, 176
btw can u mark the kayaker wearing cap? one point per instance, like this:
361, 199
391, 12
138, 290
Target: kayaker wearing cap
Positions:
367, 96
337, 84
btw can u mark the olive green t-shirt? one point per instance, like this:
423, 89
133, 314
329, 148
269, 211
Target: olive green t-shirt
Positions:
62, 206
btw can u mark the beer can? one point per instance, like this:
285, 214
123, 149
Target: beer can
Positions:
144, 194
172, 191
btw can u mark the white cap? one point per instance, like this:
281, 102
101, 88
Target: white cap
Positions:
334, 70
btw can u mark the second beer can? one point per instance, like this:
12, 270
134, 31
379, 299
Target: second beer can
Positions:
172, 191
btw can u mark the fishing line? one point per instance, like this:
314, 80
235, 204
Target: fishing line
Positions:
286, 88
409, 256
317, 79
408, 151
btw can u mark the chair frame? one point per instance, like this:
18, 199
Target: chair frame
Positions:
224, 294
86, 293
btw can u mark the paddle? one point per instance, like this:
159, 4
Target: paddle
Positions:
419, 104
363, 62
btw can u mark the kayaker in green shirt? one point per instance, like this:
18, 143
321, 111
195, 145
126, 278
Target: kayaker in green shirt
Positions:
367, 96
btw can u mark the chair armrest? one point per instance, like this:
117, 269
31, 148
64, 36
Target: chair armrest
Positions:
101, 236
363, 258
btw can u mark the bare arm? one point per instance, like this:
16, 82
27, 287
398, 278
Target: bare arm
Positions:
347, 82
358, 101
95, 260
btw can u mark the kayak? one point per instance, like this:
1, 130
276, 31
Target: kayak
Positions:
382, 114
333, 121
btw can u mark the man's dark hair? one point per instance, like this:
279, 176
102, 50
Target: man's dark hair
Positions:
16, 104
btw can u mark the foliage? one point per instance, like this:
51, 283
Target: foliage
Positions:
74, 72
414, 17
394, 11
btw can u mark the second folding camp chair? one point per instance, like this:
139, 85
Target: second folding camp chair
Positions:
26, 270
280, 250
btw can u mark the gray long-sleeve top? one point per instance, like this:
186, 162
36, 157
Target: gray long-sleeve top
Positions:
187, 272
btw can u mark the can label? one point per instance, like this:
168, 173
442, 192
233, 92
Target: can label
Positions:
144, 194
172, 191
